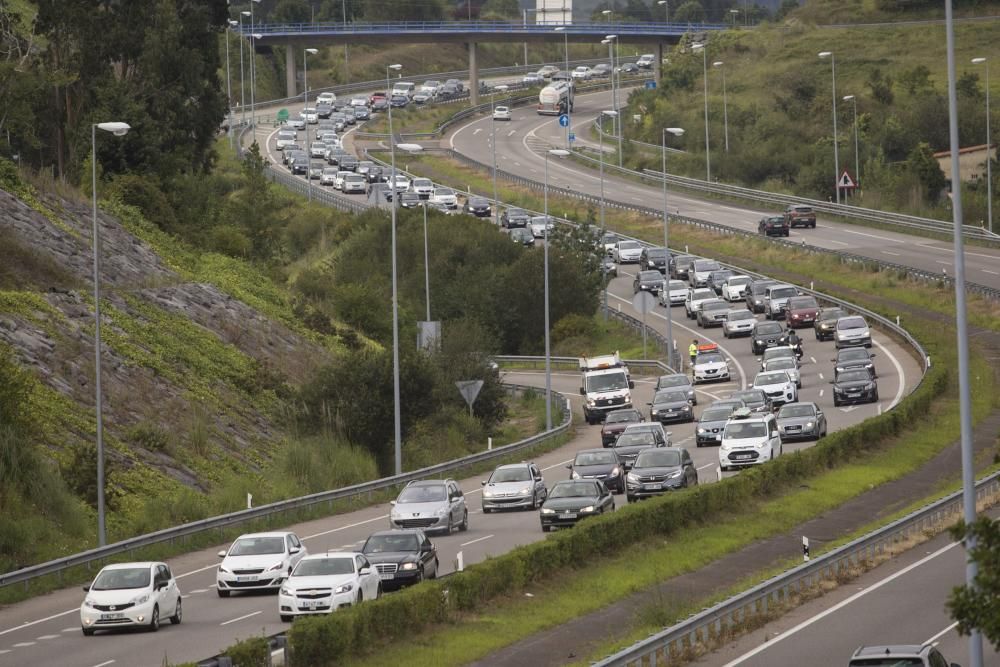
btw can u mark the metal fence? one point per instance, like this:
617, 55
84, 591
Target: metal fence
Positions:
101, 554
676, 643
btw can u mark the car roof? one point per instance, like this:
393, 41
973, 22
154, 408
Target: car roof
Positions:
397, 531
522, 464
891, 650
136, 564
277, 533
329, 554
429, 482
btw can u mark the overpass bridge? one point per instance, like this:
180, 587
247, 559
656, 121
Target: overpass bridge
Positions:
471, 33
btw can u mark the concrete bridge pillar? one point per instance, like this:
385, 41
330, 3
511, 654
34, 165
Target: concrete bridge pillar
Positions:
658, 63
473, 75
290, 71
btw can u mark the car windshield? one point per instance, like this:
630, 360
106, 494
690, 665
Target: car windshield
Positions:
887, 662
650, 276
745, 430
716, 305
850, 323
656, 253
657, 458
702, 265
422, 494
709, 358
803, 302
760, 288
768, 328
626, 416
853, 354
796, 410
671, 396
257, 546
320, 567
518, 474
728, 404
421, 183
121, 578
763, 379
573, 490
606, 382
595, 459
738, 280
782, 364
715, 415
700, 294
628, 245
751, 395
739, 315
678, 284
782, 292
832, 314
635, 439
854, 376
387, 543
673, 381
444, 192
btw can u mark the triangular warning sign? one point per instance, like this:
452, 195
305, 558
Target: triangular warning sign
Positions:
846, 182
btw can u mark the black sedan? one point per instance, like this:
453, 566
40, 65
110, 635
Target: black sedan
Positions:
710, 426
402, 557
774, 225
599, 464
523, 236
628, 445
755, 399
657, 471
671, 405
801, 421
857, 386
478, 206
647, 281
826, 322
573, 500
678, 381
854, 358
410, 200
399, 101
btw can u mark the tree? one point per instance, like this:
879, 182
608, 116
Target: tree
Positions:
921, 163
404, 10
880, 87
690, 12
507, 9
916, 80
978, 606
256, 207
292, 11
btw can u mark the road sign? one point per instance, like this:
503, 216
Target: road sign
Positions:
846, 182
469, 390
643, 302
650, 85
283, 116
572, 136
564, 120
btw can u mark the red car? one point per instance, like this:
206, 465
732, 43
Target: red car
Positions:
616, 422
376, 96
801, 311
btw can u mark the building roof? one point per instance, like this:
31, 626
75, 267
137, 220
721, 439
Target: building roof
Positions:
963, 151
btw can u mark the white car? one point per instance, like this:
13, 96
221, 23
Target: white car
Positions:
738, 323
295, 124
748, 439
328, 176
309, 115
338, 180
627, 252
285, 138
423, 187
354, 184
401, 183
327, 98
582, 72
130, 595
539, 227
324, 583
674, 294
788, 366
358, 102
258, 561
431, 88
533, 79
501, 113
694, 297
735, 288
778, 386
317, 149
444, 197
776, 300
698, 273
710, 366
852, 330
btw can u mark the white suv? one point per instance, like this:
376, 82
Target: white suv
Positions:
749, 438
778, 386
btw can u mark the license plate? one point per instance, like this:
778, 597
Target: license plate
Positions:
111, 617
652, 487
854, 395
742, 457
308, 604
386, 576
249, 577
568, 515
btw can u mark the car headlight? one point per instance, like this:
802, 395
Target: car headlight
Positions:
675, 475
285, 590
654, 411
546, 510
809, 424
632, 477
869, 386
574, 474
408, 566
223, 570
839, 369
525, 491
651, 264
487, 493
140, 599
88, 603
686, 408
441, 511
588, 508
276, 566
702, 430
591, 403
614, 472
346, 588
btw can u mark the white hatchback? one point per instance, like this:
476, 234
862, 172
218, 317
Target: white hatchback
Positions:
130, 595
324, 583
501, 113
852, 330
674, 294
749, 439
258, 561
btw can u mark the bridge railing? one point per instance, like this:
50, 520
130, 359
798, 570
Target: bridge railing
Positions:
460, 27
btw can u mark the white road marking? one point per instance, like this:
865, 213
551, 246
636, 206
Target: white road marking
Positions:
813, 359
887, 252
839, 242
871, 236
558, 465
942, 633
40, 620
198, 590
850, 408
708, 465
821, 392
104, 664
511, 133
942, 262
350, 525
4, 650
820, 376
823, 614
44, 637
481, 539
241, 618
950, 250
23, 644
477, 131
77, 629
901, 384
992, 273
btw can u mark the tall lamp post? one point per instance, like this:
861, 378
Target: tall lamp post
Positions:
676, 131
119, 130
857, 160
558, 152
305, 98
989, 160
243, 82
836, 155
704, 56
397, 424
230, 24
616, 119
562, 29
725, 103
253, 69
493, 133
666, 10
600, 136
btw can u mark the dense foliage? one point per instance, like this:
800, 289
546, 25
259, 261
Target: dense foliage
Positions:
978, 606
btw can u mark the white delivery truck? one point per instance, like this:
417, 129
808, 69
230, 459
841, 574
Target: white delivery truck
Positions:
556, 99
606, 386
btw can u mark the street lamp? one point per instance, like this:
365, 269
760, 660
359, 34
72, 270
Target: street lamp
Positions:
562, 29
243, 82
230, 24
857, 163
666, 10
558, 152
704, 56
305, 96
989, 160
600, 135
253, 70
119, 130
836, 155
493, 132
616, 119
676, 131
725, 104
397, 424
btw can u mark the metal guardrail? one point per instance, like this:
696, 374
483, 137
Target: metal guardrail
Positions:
318, 192
462, 27
235, 518
670, 645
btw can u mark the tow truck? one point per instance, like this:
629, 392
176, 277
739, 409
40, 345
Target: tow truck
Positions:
606, 386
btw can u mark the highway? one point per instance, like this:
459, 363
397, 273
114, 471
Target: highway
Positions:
45, 631
899, 602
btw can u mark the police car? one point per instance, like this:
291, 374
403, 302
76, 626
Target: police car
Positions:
750, 438
710, 364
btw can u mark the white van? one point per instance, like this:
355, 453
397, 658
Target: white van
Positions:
646, 60
326, 98
404, 88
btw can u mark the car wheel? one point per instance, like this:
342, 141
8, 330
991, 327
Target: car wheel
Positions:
361, 597
176, 618
536, 502
378, 591
154, 619
87, 632
836, 403
448, 530
546, 529
464, 526
286, 618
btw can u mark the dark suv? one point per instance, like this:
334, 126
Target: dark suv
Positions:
800, 215
681, 266
514, 217
654, 259
755, 294
773, 225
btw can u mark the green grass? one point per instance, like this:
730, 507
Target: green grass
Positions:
640, 566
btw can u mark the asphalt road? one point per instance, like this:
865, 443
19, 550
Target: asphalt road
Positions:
45, 631
521, 144
900, 602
